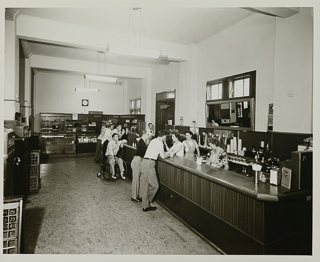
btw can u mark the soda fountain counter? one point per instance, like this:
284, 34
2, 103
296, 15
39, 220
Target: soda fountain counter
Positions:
230, 210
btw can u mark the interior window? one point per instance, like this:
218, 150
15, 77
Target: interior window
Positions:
135, 106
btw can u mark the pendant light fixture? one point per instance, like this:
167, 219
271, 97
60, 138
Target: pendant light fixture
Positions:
101, 75
135, 49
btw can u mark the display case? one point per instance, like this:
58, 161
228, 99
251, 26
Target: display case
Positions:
109, 119
52, 122
77, 133
57, 143
75, 126
12, 218
86, 143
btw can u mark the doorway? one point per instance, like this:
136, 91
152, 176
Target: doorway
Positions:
165, 109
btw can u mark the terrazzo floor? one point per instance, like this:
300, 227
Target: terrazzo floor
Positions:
75, 212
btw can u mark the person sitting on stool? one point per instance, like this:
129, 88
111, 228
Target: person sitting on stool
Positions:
149, 180
112, 150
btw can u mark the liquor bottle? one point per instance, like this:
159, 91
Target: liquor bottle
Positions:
253, 152
267, 154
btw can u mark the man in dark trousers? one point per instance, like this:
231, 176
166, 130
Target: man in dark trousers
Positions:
149, 180
136, 166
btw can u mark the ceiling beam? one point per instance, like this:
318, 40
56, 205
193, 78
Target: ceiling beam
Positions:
82, 67
283, 12
59, 33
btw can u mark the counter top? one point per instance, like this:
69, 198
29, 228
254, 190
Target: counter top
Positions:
235, 181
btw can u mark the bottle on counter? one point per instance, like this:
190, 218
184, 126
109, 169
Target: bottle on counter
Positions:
256, 157
267, 153
256, 168
261, 151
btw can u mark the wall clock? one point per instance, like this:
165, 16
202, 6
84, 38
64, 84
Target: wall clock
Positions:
85, 102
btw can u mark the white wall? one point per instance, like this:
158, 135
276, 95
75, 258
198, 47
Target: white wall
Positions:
134, 89
164, 78
247, 46
55, 93
187, 100
293, 73
280, 50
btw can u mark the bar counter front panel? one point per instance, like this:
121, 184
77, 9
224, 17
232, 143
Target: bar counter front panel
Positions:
231, 211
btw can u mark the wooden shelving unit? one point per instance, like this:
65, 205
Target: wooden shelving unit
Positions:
66, 134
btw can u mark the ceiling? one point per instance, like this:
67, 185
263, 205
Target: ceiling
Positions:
176, 25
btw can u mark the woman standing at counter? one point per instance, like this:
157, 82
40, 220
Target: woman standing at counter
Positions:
218, 156
177, 148
136, 166
190, 146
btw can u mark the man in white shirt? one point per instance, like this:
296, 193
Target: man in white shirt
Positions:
112, 150
108, 133
149, 181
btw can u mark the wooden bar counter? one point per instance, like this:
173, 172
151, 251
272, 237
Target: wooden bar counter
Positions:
231, 211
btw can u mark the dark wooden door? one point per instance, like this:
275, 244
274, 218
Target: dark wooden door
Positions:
164, 113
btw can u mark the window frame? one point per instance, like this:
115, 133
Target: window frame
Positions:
132, 111
226, 81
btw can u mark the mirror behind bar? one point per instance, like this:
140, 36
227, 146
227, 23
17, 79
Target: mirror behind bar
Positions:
232, 114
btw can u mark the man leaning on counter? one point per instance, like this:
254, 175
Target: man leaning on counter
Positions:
149, 180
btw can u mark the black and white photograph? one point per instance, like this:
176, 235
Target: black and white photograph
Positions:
152, 130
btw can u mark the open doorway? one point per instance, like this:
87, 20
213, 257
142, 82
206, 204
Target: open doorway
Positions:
165, 109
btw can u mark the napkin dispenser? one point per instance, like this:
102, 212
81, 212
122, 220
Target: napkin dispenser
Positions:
275, 176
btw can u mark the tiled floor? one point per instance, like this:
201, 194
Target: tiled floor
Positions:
75, 212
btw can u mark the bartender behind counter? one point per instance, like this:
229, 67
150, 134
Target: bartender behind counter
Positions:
218, 157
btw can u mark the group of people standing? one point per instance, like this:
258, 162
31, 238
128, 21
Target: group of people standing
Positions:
148, 148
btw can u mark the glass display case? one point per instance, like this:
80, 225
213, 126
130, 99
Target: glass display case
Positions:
57, 143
